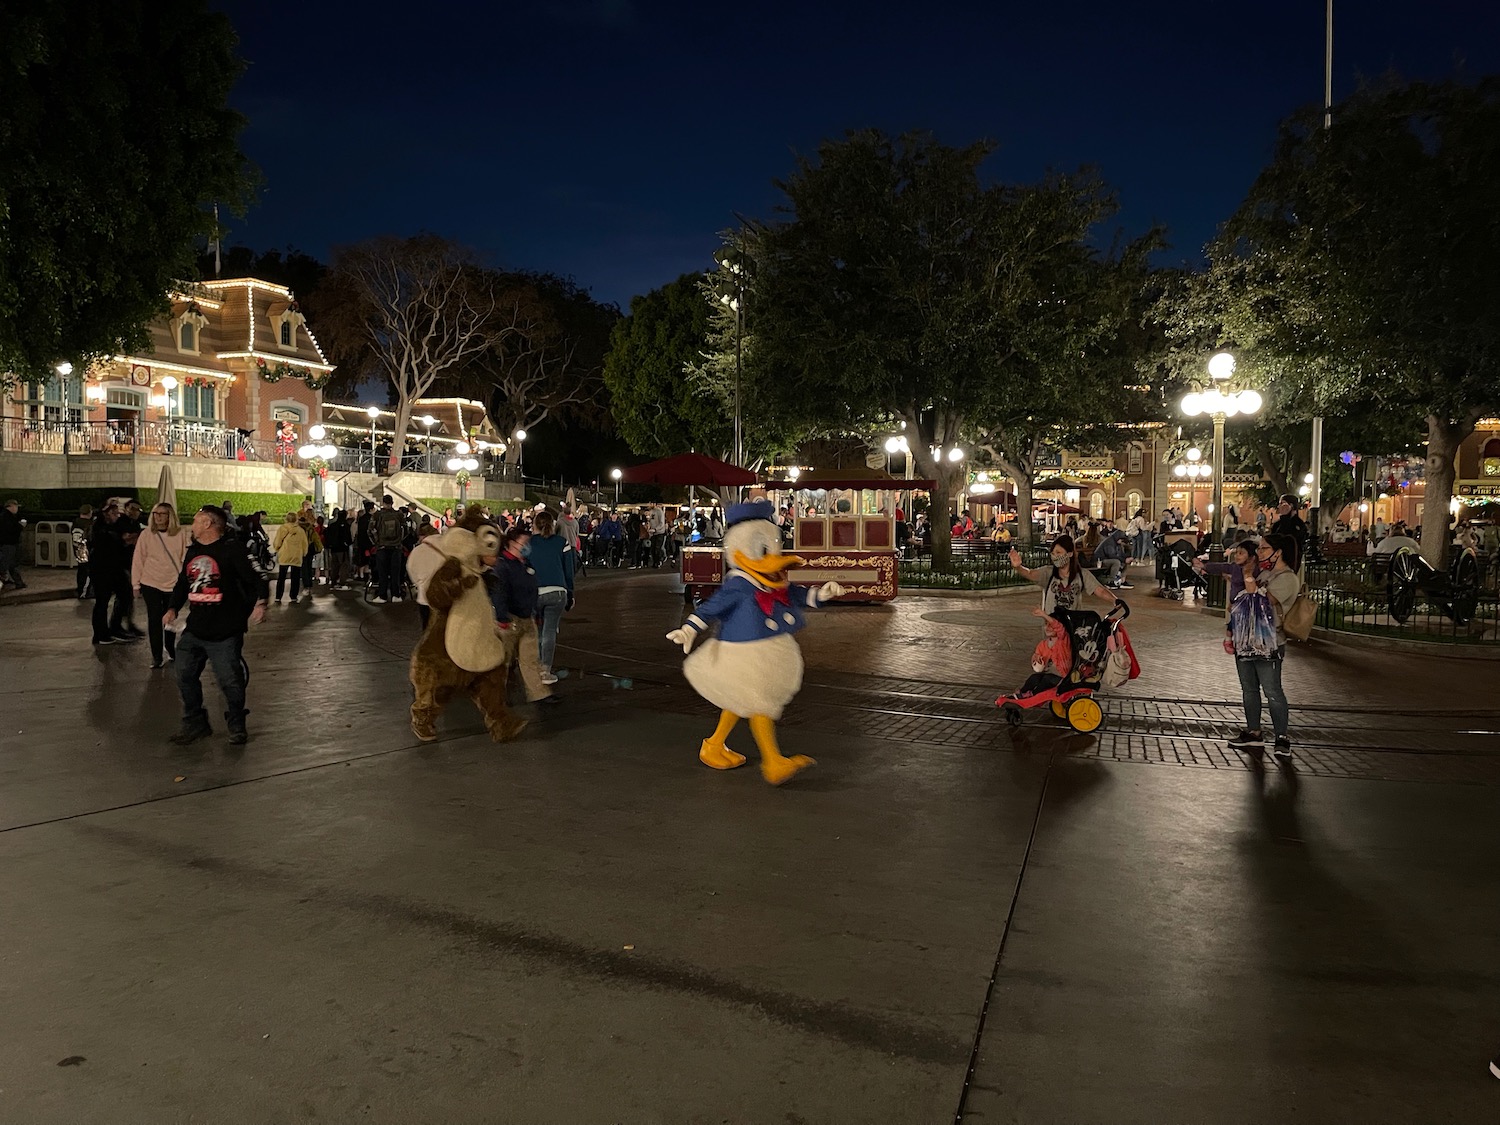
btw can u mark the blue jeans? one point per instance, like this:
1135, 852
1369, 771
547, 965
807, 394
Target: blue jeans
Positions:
229, 669
1142, 548
550, 604
1258, 676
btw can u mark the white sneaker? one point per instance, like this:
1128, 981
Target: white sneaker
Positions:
548, 677
380, 601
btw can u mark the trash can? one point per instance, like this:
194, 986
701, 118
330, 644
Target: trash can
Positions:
54, 544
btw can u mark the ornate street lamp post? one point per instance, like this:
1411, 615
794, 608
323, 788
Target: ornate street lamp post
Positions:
616, 474
1193, 470
1219, 402
461, 466
318, 455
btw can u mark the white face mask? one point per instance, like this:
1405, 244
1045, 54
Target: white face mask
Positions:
1059, 561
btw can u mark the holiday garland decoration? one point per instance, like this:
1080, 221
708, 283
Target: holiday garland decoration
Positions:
275, 373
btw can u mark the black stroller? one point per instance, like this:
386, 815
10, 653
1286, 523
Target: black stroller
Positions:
1174, 566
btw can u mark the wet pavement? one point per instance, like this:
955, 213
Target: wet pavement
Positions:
946, 918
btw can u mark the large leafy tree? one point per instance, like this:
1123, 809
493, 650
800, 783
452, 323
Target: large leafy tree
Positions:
1358, 278
115, 139
1069, 380
657, 406
902, 287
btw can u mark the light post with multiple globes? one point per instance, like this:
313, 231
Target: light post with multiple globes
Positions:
318, 455
1219, 402
461, 466
1193, 470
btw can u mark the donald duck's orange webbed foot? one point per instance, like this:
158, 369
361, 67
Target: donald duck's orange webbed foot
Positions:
719, 757
778, 771
714, 753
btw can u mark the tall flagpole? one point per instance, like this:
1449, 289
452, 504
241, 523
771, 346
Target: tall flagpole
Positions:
218, 239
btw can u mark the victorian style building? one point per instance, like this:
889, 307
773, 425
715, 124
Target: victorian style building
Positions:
233, 370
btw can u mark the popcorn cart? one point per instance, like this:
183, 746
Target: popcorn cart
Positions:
844, 528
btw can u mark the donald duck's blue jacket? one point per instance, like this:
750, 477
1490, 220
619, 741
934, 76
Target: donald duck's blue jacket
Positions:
747, 613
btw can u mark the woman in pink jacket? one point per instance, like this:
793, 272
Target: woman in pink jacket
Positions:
153, 573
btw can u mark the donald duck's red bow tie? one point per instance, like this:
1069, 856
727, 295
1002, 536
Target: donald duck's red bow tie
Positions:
767, 599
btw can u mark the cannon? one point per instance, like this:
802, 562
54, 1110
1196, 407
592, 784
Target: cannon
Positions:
1454, 591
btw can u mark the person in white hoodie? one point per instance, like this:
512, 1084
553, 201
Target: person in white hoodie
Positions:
153, 574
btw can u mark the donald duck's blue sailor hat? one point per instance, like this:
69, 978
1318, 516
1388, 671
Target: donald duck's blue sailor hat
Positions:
749, 510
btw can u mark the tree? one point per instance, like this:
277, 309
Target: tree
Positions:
657, 406
545, 359
298, 271
1358, 276
1070, 380
116, 136
409, 310
670, 375
903, 288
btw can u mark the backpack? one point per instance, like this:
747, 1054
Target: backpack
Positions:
387, 529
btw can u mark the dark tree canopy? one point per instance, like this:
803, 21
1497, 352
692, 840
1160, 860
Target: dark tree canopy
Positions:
299, 272
903, 288
658, 408
115, 140
1358, 278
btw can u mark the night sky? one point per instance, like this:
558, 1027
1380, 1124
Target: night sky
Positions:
611, 140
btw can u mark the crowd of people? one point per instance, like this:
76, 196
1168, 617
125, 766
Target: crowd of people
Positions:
222, 569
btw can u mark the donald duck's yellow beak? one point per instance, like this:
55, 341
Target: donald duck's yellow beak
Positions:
769, 569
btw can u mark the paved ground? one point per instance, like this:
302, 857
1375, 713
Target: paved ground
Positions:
946, 918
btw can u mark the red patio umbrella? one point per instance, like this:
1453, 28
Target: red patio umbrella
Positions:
689, 469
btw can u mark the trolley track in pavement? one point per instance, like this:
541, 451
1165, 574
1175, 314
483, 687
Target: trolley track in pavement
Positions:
1346, 742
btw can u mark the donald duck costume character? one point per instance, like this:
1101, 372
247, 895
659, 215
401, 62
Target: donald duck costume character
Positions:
754, 667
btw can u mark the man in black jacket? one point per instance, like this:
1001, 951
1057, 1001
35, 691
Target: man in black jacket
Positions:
227, 595
1288, 522
109, 570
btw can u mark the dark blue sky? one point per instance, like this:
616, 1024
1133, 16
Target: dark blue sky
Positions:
611, 140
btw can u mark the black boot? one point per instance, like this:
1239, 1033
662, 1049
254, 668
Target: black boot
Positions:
190, 732
238, 736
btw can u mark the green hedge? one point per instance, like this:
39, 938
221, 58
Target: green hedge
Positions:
63, 503
274, 504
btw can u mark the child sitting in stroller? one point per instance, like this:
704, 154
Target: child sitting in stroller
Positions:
1055, 650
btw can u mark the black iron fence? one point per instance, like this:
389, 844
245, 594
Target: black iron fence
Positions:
1352, 597
133, 436
976, 565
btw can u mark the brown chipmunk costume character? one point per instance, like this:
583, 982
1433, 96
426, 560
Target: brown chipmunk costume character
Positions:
461, 649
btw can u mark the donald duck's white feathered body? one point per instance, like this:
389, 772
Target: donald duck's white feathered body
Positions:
753, 668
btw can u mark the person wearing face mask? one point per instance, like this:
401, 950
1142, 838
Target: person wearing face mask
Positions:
1065, 583
515, 596
1275, 575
